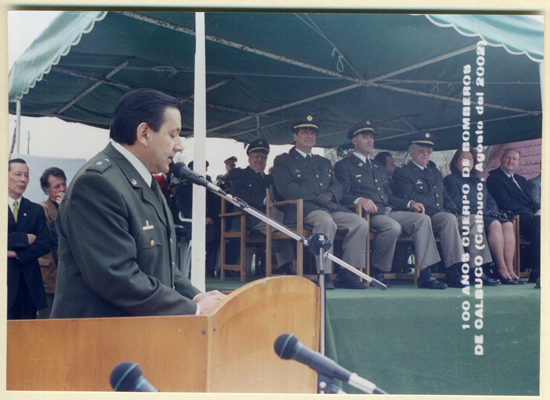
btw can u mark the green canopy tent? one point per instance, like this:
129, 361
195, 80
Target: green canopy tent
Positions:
403, 72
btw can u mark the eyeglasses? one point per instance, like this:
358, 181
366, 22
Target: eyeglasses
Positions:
258, 156
425, 151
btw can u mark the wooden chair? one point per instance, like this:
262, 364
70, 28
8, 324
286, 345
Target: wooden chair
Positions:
403, 238
520, 241
227, 233
301, 229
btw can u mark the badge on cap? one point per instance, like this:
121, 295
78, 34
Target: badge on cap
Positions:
309, 118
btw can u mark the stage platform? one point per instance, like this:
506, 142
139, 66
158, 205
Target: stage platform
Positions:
417, 341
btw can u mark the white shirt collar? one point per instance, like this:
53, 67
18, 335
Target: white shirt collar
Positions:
362, 157
11, 200
302, 153
136, 163
422, 168
507, 174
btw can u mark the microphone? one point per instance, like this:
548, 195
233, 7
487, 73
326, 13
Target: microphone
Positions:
181, 171
128, 377
288, 347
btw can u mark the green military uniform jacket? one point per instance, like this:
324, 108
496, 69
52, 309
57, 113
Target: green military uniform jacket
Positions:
117, 246
297, 178
359, 179
250, 186
423, 186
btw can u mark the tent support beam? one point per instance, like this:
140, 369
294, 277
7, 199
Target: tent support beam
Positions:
369, 82
457, 100
198, 259
527, 114
95, 85
239, 46
131, 87
18, 124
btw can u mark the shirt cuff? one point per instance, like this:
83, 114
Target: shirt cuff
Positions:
198, 306
409, 204
356, 200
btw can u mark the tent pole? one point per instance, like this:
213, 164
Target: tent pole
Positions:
18, 125
199, 158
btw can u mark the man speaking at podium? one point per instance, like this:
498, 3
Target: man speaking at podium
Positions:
117, 244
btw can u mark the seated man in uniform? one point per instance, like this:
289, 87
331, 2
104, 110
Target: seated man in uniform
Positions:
365, 182
300, 175
250, 185
223, 180
421, 181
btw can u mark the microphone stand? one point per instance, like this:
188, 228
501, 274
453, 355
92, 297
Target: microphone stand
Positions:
317, 244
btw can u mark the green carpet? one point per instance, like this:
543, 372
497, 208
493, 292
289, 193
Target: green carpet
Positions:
411, 341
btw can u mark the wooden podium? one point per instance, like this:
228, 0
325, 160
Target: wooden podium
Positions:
228, 350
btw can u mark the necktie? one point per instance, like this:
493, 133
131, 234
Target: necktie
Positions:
309, 158
516, 182
156, 189
15, 210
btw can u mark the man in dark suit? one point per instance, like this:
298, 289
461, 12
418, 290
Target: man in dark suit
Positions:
117, 243
513, 195
301, 175
366, 182
250, 185
421, 181
28, 239
54, 184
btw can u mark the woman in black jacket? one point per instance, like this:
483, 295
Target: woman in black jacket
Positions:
466, 191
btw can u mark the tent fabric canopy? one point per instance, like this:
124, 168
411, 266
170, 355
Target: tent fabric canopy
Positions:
402, 72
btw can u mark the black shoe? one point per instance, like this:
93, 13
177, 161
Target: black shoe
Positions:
328, 283
349, 282
533, 276
486, 280
452, 278
380, 278
431, 283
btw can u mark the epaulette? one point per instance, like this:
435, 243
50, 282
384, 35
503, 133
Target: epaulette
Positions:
100, 165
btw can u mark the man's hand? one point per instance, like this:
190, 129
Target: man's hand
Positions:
368, 205
418, 207
12, 254
31, 238
59, 197
323, 198
209, 221
538, 212
208, 300
332, 206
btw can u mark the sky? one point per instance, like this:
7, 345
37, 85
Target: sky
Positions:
52, 137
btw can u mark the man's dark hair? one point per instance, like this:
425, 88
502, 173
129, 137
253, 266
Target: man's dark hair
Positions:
15, 160
137, 106
53, 171
381, 157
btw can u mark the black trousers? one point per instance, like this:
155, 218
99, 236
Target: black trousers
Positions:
529, 228
22, 308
